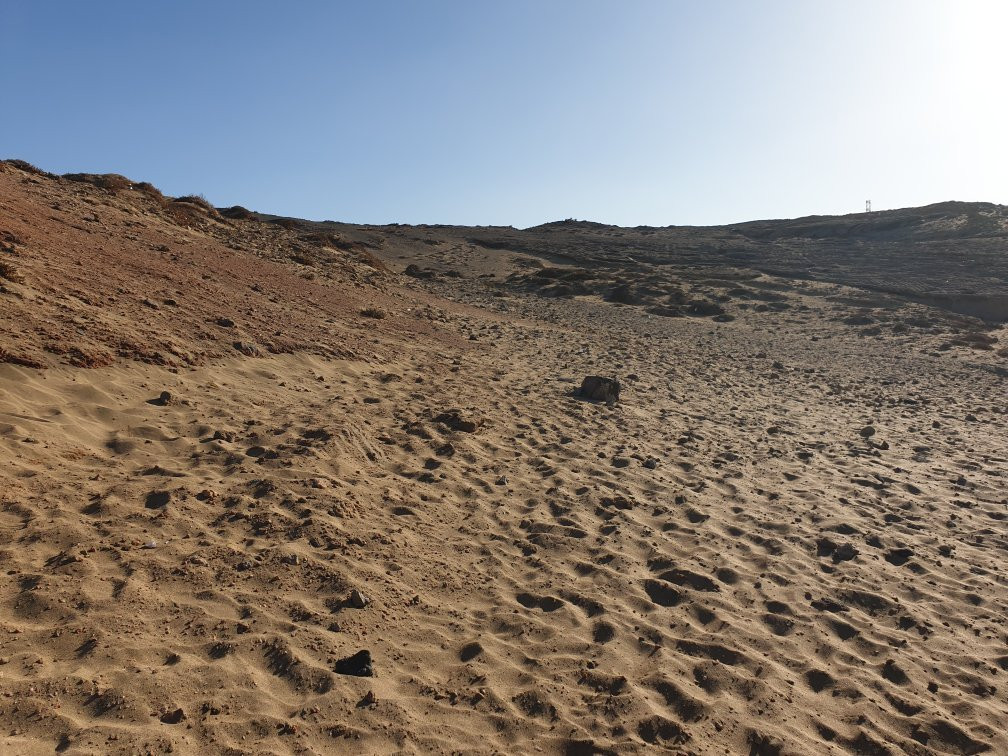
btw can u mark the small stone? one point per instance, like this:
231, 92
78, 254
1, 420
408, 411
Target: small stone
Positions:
165, 398
867, 432
501, 481
650, 463
357, 599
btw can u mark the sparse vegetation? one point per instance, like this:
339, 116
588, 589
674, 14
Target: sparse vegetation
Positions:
237, 212
373, 312
27, 167
372, 261
110, 182
185, 214
151, 191
198, 200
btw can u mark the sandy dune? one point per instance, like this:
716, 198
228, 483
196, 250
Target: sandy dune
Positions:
787, 537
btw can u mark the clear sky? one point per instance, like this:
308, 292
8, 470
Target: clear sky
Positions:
518, 111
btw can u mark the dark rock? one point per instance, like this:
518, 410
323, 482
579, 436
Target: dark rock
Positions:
898, 557
247, 348
844, 552
413, 271
173, 717
157, 499
599, 389
627, 294
867, 432
453, 419
357, 599
666, 312
164, 399
704, 308
225, 322
658, 730
358, 665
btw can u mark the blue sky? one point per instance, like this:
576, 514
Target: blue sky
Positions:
518, 111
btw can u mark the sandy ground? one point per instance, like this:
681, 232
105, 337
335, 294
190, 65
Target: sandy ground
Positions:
787, 537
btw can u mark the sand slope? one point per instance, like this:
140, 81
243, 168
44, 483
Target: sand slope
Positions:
725, 561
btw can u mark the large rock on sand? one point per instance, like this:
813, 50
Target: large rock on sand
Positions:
599, 389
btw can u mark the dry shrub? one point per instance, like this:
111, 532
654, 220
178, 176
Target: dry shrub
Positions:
145, 187
373, 312
24, 165
185, 214
114, 183
976, 340
326, 239
110, 182
372, 261
237, 212
196, 199
323, 239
